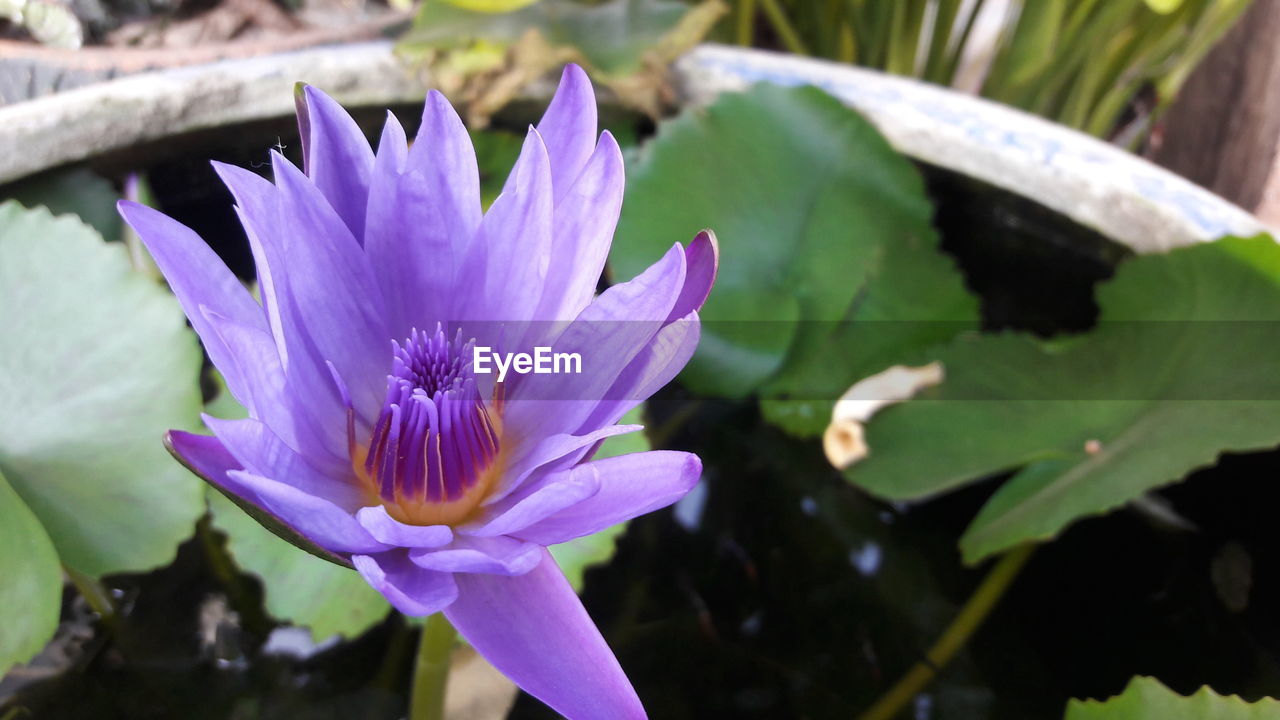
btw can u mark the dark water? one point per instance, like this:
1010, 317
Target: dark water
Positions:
778, 590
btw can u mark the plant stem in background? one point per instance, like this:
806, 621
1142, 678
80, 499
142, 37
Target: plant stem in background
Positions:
1083, 64
431, 669
95, 594
781, 25
979, 605
746, 22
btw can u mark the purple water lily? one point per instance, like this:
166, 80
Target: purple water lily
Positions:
372, 435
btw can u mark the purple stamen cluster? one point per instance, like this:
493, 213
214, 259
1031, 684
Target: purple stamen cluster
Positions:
434, 437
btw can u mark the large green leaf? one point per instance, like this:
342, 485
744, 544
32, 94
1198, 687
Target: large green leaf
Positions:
1147, 699
1184, 365
32, 588
829, 266
98, 362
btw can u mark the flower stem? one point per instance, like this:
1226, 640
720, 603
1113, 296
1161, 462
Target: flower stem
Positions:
98, 598
975, 610
431, 669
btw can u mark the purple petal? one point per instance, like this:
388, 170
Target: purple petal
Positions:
443, 155
506, 265
309, 389
498, 555
585, 219
333, 295
206, 457
258, 204
412, 590
387, 529
568, 127
557, 451
314, 517
608, 334
410, 241
702, 262
338, 158
649, 371
198, 277
630, 486
534, 501
533, 629
258, 364
262, 452
393, 146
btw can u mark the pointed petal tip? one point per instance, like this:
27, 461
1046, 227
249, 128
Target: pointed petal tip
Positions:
168, 441
203, 455
226, 172
702, 264
574, 81
692, 469
436, 102
126, 208
707, 235
705, 242
705, 247
315, 97
285, 173
609, 144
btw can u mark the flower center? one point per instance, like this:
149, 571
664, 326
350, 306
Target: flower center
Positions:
432, 454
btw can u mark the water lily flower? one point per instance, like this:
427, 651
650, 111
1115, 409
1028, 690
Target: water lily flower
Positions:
371, 437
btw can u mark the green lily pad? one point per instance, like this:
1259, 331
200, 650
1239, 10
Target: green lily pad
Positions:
31, 593
75, 190
1181, 368
1147, 699
829, 270
98, 364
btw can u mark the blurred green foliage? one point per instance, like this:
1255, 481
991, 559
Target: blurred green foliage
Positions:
1082, 63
